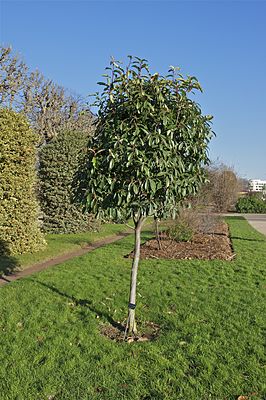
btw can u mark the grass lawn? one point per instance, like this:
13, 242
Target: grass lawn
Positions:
212, 316
59, 244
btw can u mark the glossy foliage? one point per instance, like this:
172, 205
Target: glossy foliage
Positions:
150, 143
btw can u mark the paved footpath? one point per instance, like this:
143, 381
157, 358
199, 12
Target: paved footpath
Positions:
258, 221
4, 279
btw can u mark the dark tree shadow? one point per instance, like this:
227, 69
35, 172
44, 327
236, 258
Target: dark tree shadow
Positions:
83, 303
8, 263
248, 239
235, 218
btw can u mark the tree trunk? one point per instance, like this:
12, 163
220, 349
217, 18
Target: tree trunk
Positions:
157, 233
131, 327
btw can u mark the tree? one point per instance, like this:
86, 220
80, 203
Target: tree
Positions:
51, 109
58, 162
223, 188
147, 153
13, 74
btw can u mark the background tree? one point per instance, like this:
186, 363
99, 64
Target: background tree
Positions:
147, 153
222, 190
58, 163
49, 107
13, 73
243, 184
19, 209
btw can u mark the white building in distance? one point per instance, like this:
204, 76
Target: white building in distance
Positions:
256, 185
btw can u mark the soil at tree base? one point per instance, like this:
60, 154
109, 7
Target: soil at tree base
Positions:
146, 332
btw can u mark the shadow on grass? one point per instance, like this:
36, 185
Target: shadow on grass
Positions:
248, 239
8, 263
82, 303
235, 218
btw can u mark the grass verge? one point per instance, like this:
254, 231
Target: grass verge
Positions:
58, 244
211, 313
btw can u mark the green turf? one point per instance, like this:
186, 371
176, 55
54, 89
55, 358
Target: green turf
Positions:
211, 313
58, 244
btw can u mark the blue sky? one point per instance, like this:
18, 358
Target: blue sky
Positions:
223, 43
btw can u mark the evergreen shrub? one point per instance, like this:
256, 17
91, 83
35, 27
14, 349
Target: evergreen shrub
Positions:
19, 210
251, 204
59, 161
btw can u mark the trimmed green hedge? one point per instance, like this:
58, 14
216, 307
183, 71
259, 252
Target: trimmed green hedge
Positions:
19, 209
59, 162
251, 204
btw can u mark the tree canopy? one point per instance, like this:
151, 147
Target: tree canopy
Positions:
149, 146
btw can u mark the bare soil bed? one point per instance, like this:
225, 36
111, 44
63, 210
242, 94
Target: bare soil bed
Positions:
204, 246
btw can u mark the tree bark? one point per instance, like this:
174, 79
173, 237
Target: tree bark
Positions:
131, 327
157, 233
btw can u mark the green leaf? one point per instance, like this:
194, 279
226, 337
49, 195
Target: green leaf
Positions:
135, 189
153, 186
111, 163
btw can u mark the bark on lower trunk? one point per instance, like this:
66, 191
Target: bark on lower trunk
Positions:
131, 327
157, 233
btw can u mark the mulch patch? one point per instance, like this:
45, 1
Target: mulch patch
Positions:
204, 246
147, 332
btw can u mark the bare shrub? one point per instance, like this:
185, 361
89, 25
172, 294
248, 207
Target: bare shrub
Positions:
208, 223
191, 221
221, 191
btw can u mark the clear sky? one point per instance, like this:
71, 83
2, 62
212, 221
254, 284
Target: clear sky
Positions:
222, 43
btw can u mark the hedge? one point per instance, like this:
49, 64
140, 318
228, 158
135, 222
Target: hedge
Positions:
19, 210
59, 162
251, 204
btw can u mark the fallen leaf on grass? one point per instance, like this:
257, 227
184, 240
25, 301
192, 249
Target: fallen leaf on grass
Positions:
247, 397
40, 339
124, 385
143, 339
20, 325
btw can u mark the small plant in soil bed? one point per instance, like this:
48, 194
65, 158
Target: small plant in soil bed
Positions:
202, 245
180, 232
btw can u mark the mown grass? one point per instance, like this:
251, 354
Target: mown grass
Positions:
58, 244
211, 313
